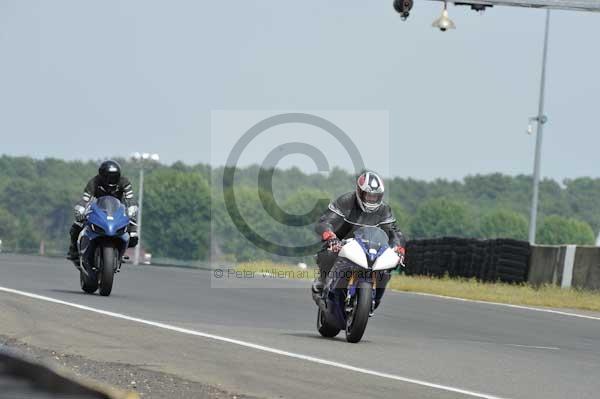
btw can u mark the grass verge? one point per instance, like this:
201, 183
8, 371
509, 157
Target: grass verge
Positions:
515, 294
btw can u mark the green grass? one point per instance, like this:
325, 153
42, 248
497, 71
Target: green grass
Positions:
515, 294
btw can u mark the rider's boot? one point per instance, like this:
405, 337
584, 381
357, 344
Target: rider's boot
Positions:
378, 295
319, 283
375, 306
325, 260
133, 234
73, 252
74, 235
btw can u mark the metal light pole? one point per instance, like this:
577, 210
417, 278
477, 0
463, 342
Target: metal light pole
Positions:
141, 158
136, 259
541, 119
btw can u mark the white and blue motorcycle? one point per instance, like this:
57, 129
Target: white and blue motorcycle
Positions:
348, 298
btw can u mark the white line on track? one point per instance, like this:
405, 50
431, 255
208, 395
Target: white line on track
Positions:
550, 348
554, 348
558, 312
255, 346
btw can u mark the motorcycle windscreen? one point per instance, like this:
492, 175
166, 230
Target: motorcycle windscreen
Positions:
110, 205
373, 239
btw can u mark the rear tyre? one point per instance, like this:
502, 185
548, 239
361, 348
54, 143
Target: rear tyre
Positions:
356, 322
89, 283
110, 259
324, 328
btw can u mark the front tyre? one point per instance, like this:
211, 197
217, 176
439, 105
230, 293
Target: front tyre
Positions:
324, 328
357, 318
109, 263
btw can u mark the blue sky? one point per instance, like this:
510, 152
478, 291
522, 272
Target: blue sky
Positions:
83, 79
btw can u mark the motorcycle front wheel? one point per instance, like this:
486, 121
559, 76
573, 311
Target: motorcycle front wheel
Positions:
109, 263
357, 318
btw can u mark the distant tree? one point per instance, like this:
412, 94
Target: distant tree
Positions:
441, 217
302, 202
21, 167
557, 230
8, 227
176, 218
181, 167
305, 200
253, 220
27, 237
504, 224
403, 219
39, 196
584, 200
488, 187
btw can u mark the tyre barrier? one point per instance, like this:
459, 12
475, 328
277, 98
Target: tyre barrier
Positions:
21, 378
503, 260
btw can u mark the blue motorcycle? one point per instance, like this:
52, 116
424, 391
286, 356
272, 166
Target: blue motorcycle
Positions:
102, 244
349, 296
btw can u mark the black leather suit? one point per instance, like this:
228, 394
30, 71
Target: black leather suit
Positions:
343, 217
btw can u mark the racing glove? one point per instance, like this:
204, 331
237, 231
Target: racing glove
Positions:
333, 243
401, 251
79, 213
132, 211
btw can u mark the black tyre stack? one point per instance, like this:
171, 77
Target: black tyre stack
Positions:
511, 260
503, 260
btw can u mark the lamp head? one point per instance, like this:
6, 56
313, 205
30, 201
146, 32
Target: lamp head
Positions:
444, 22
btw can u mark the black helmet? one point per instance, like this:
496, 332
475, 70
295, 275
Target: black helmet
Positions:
369, 191
110, 174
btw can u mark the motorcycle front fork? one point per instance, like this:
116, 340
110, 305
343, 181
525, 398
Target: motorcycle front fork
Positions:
94, 267
351, 293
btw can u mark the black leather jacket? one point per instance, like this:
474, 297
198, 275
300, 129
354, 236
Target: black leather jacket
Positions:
123, 192
344, 216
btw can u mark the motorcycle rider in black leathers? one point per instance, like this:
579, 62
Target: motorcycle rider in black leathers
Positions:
108, 182
363, 207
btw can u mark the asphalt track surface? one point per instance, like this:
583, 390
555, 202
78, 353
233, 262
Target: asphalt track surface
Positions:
262, 341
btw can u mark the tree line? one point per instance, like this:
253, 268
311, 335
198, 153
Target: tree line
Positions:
186, 215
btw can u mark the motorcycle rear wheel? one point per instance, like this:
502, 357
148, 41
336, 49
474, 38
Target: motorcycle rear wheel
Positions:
356, 321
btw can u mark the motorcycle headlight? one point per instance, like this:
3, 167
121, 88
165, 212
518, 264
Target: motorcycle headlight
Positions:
122, 231
97, 229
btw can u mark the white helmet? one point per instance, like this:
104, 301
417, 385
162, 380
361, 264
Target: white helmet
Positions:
369, 191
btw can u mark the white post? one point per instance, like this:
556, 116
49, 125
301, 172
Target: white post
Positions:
567, 275
136, 260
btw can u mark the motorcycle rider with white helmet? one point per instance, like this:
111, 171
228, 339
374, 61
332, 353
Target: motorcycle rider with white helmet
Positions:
362, 207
